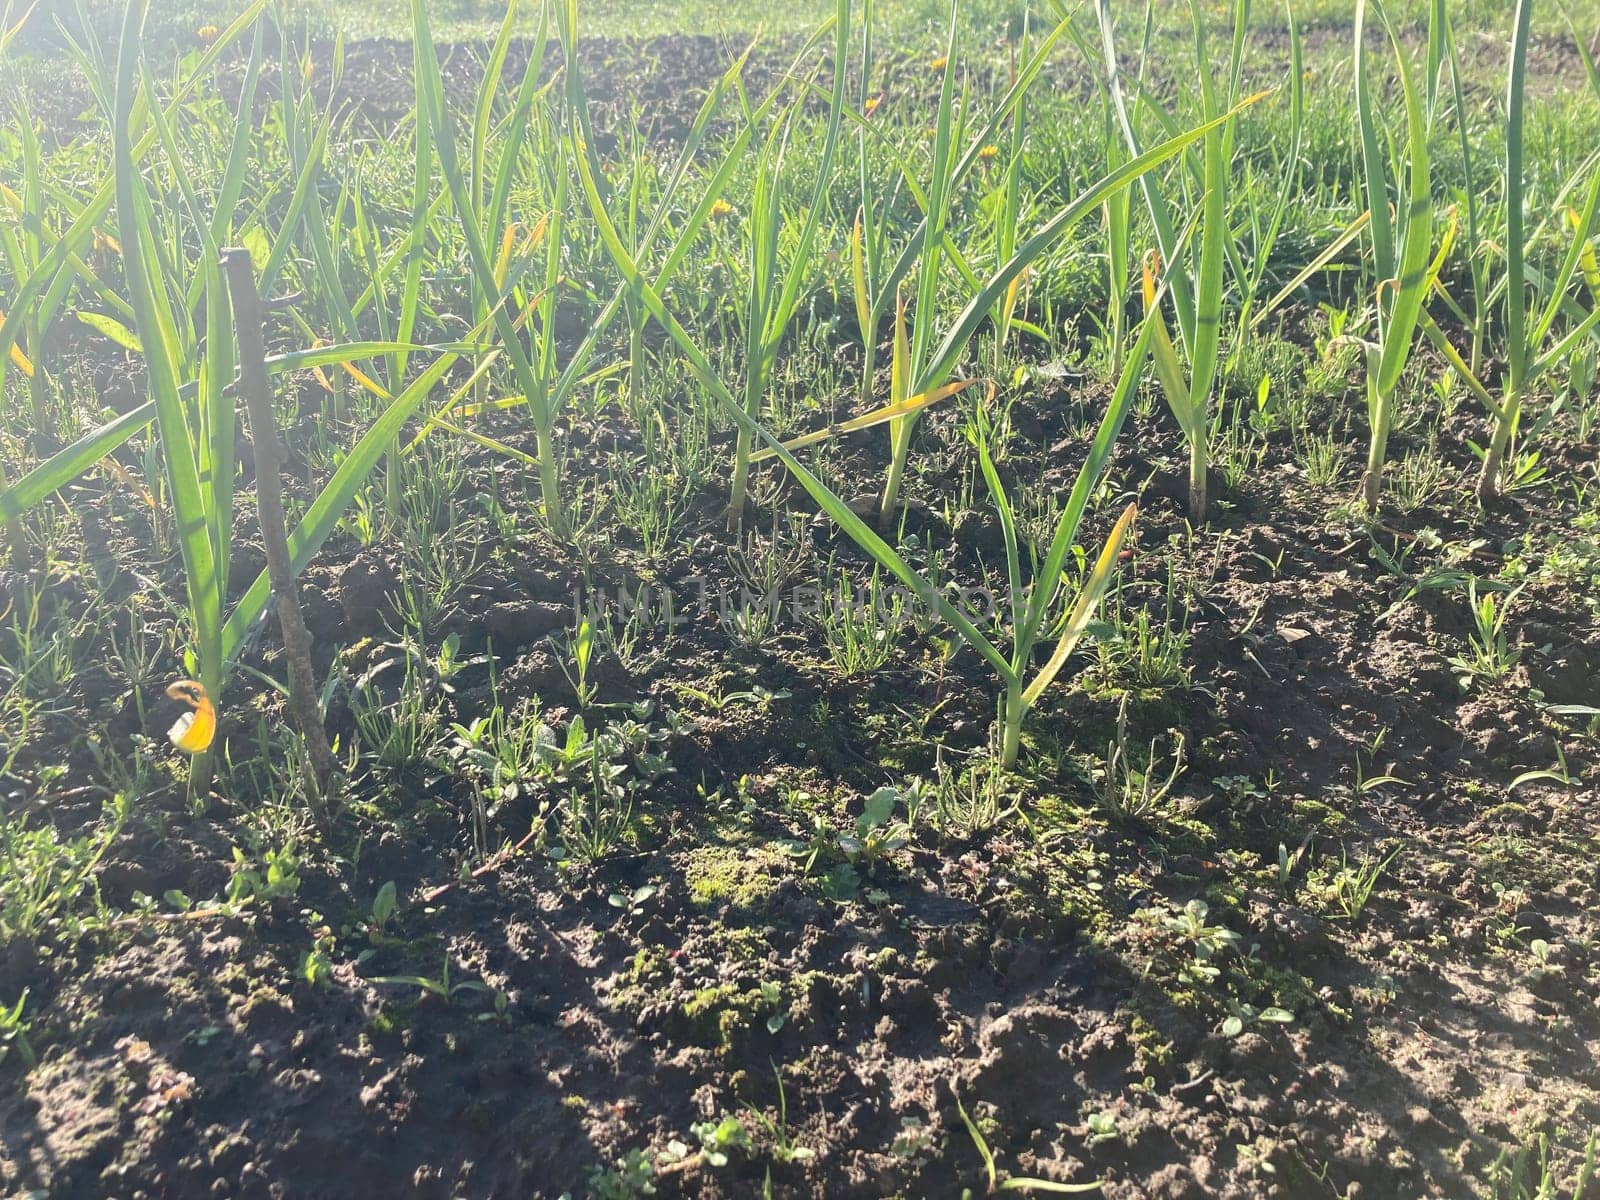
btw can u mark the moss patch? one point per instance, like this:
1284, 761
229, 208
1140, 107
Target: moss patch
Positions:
733, 876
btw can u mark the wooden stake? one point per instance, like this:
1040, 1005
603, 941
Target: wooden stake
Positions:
256, 389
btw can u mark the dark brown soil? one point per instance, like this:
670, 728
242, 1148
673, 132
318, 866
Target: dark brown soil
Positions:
192, 1057
1028, 970
654, 87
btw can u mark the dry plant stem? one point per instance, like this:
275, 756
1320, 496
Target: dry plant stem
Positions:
269, 458
492, 864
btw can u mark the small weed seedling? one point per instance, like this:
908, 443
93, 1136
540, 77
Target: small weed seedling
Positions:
1352, 885
877, 834
1128, 792
1488, 654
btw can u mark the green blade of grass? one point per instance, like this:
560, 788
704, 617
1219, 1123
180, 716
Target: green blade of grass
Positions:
159, 338
954, 344
1417, 237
